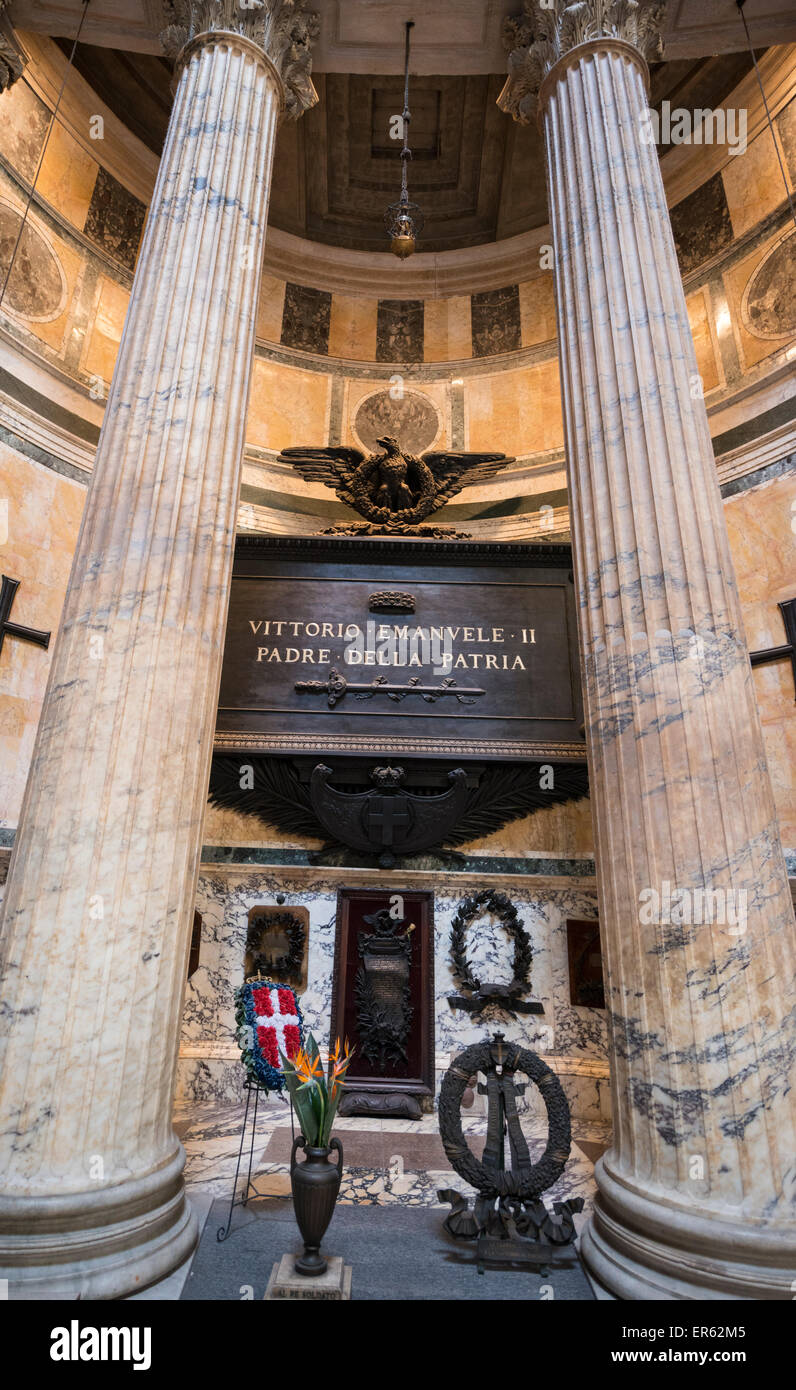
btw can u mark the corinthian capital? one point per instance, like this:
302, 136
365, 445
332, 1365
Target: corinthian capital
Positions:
284, 29
537, 37
12, 60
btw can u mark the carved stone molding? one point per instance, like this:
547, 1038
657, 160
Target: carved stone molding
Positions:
284, 29
537, 38
12, 60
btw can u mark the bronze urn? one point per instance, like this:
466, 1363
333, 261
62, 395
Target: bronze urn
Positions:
315, 1184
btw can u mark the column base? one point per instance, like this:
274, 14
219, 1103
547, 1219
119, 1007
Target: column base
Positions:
638, 1249
97, 1244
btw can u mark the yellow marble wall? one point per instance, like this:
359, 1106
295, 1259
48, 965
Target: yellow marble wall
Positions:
67, 176
269, 310
538, 310
287, 406
447, 329
703, 332
105, 329
516, 411
352, 328
762, 529
39, 519
753, 183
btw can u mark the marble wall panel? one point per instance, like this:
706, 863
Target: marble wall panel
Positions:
760, 294
67, 177
39, 519
399, 330
115, 219
753, 183
105, 329
63, 260
448, 329
352, 328
305, 318
270, 309
358, 391
36, 287
575, 1037
516, 411
701, 224
538, 310
702, 331
562, 831
496, 321
287, 406
24, 128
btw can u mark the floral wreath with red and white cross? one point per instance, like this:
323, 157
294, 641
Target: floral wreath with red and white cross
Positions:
269, 1023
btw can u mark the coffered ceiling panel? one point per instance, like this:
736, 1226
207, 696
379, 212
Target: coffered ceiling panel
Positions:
477, 176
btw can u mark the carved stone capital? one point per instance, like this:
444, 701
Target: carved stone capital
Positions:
284, 29
537, 38
12, 59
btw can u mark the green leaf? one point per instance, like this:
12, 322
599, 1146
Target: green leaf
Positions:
301, 1095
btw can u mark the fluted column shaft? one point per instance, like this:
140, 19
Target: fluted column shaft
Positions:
101, 890
694, 1195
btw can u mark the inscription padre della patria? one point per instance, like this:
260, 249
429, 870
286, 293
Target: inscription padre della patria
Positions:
394, 646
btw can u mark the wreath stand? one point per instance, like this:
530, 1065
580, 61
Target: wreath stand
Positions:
249, 1086
510, 1223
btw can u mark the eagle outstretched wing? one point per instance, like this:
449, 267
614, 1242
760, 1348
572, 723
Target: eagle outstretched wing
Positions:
335, 466
454, 470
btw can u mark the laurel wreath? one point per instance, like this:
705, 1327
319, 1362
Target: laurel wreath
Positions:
363, 500
509, 1182
291, 962
503, 908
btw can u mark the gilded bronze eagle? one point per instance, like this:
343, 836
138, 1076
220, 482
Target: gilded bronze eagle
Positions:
393, 487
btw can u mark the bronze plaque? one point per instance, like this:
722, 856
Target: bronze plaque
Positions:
483, 663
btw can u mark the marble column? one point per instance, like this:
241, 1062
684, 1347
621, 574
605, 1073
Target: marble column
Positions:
100, 897
695, 1194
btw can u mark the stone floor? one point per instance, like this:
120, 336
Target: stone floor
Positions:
386, 1162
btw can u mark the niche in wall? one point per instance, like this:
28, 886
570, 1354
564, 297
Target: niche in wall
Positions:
584, 953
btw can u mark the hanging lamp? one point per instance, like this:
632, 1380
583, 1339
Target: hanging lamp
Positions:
404, 220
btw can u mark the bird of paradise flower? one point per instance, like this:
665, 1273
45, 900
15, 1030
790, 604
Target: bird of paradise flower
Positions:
315, 1093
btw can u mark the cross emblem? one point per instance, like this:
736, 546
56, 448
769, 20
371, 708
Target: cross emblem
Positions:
8, 591
388, 814
761, 658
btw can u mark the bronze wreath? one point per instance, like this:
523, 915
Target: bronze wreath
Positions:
288, 964
508, 1183
364, 503
504, 909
